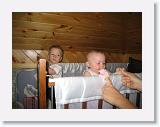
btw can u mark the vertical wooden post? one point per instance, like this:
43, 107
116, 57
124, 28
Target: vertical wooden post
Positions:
138, 99
42, 84
127, 96
66, 106
100, 103
84, 105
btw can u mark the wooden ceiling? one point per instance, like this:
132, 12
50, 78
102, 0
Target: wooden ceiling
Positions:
113, 32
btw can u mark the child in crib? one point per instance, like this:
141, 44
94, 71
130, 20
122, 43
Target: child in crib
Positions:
55, 56
95, 64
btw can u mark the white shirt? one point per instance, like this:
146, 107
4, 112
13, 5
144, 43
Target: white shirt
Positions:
58, 69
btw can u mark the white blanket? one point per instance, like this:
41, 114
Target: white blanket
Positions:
80, 89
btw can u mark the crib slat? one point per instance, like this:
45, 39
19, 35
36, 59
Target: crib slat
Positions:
53, 99
84, 105
66, 106
127, 96
100, 103
138, 99
33, 102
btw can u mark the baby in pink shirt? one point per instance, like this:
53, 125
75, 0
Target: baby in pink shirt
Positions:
96, 64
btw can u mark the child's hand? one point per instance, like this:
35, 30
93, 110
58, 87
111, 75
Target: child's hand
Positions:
104, 74
51, 71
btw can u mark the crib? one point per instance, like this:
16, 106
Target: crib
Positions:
78, 92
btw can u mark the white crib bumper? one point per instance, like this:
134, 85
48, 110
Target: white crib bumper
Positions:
81, 89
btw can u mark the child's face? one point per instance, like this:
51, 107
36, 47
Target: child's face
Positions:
96, 62
55, 55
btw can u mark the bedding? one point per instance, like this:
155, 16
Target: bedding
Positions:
81, 89
71, 77
77, 69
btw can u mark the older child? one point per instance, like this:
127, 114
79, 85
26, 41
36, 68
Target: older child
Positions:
55, 56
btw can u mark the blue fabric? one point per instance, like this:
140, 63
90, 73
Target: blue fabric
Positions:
24, 77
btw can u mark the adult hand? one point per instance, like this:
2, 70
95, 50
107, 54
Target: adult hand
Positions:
114, 97
131, 80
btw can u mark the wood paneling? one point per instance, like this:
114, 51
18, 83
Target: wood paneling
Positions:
118, 34
107, 30
20, 60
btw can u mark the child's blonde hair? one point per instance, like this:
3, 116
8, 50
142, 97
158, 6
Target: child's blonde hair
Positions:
57, 47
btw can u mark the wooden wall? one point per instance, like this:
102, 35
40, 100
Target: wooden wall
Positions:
118, 34
28, 58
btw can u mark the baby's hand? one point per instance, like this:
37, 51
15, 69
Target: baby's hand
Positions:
104, 74
51, 71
